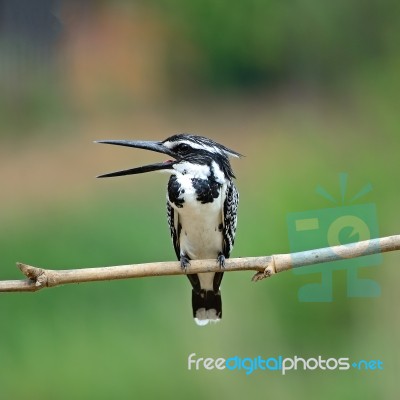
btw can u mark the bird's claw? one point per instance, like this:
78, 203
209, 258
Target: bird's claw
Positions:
185, 262
221, 260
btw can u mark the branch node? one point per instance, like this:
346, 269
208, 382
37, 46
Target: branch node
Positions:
267, 273
41, 279
38, 275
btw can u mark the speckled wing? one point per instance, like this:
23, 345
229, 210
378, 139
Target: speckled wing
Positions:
174, 227
230, 218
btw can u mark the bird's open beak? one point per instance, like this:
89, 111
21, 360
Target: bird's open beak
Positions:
140, 144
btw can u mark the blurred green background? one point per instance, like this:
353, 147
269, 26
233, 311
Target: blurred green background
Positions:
306, 90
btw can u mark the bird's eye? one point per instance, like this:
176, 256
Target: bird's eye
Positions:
182, 148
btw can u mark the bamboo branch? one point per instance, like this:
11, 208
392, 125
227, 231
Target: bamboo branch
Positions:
266, 266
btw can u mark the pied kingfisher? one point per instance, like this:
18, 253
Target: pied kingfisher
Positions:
201, 206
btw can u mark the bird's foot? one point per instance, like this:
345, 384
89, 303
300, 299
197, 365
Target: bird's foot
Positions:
221, 260
185, 262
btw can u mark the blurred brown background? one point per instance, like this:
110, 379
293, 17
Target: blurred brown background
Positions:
305, 90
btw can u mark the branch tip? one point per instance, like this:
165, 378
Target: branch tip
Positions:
37, 275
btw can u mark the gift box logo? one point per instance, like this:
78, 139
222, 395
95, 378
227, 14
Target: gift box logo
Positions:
340, 225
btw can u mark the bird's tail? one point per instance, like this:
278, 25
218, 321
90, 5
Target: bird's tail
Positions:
207, 306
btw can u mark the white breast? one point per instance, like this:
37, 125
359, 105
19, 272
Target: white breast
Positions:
201, 237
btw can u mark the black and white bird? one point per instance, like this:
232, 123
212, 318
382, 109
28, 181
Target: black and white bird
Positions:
202, 205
